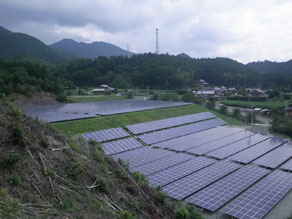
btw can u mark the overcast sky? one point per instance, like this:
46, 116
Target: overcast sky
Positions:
244, 30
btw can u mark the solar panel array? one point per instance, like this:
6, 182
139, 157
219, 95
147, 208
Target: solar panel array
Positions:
166, 123
262, 197
60, 116
216, 195
142, 156
287, 165
205, 148
190, 184
167, 134
62, 112
114, 147
161, 164
189, 141
233, 148
258, 150
106, 134
176, 172
276, 157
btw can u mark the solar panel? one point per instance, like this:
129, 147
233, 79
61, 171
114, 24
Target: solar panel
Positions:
287, 165
167, 134
190, 184
166, 123
119, 146
163, 163
258, 150
262, 197
142, 156
171, 174
205, 148
233, 148
219, 193
276, 157
189, 141
70, 111
106, 135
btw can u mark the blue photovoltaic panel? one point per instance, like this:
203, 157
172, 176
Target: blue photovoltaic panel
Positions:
167, 134
262, 197
287, 165
71, 111
106, 135
142, 156
161, 164
189, 141
258, 150
276, 157
119, 146
190, 184
205, 148
171, 174
233, 148
166, 123
219, 193
59, 116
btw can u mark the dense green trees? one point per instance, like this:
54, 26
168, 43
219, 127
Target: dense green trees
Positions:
27, 76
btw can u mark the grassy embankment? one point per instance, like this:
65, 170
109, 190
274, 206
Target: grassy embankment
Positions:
246, 104
120, 120
91, 98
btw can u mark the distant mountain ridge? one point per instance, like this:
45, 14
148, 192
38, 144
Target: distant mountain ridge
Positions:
90, 50
19, 45
272, 67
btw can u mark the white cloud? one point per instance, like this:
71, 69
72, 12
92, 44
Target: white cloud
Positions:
247, 30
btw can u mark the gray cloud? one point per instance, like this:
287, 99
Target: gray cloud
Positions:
243, 30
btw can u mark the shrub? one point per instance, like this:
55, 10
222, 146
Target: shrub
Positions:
125, 215
10, 161
223, 109
169, 97
9, 206
103, 185
78, 168
61, 98
236, 113
161, 196
181, 212
155, 95
14, 181
210, 105
17, 133
44, 142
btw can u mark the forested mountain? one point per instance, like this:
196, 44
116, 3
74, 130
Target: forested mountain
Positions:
277, 73
90, 50
19, 45
272, 67
159, 71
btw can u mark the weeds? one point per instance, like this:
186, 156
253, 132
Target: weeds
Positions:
10, 161
44, 142
78, 168
14, 181
8, 206
161, 196
103, 185
125, 215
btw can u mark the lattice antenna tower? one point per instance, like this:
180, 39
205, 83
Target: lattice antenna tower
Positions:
157, 44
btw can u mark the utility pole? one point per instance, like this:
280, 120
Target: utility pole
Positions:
157, 43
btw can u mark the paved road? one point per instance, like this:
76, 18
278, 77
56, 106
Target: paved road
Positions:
243, 111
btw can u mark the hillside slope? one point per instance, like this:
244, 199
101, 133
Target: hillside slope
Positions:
90, 50
47, 175
19, 45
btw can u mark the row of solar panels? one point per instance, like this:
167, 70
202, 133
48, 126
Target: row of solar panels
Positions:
73, 111
116, 133
170, 122
209, 183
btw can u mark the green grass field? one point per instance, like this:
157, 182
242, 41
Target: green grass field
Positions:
91, 98
121, 120
268, 104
